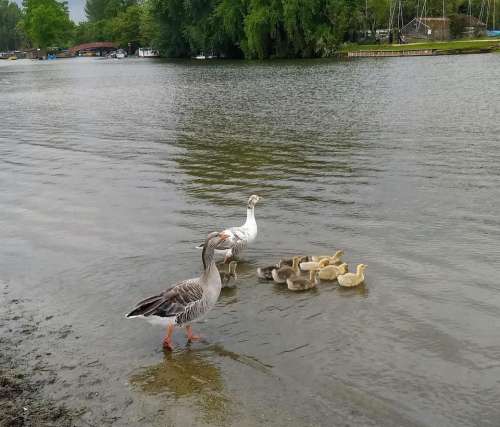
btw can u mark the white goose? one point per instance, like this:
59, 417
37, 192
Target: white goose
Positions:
239, 237
187, 300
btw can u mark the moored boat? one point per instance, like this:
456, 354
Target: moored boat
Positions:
147, 52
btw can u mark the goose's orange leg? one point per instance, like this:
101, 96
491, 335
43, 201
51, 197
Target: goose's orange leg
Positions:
167, 341
191, 337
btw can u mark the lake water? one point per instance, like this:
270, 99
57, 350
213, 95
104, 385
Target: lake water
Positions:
112, 171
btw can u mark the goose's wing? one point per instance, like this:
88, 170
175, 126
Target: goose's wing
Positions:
346, 279
237, 239
172, 302
236, 235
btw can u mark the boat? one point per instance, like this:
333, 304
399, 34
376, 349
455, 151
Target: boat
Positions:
203, 56
147, 52
120, 54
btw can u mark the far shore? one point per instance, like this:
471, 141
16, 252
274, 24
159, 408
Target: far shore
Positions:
426, 48
437, 47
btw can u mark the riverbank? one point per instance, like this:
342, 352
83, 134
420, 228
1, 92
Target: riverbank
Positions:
21, 396
425, 48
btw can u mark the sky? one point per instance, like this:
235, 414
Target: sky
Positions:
76, 9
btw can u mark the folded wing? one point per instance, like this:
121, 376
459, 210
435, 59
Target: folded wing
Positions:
172, 302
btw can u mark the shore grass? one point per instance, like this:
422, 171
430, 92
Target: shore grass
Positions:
443, 46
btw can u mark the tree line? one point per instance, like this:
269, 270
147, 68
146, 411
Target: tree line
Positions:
229, 28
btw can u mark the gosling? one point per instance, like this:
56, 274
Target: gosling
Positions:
331, 272
281, 274
296, 283
350, 280
230, 276
314, 265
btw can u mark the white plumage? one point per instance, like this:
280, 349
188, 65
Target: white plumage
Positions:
239, 237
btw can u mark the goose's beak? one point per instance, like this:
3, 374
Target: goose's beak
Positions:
223, 236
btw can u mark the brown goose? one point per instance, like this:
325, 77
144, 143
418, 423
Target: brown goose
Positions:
187, 300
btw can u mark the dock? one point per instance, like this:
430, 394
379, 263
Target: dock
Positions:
391, 53
418, 52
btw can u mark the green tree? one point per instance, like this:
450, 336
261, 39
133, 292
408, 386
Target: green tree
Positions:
98, 10
46, 23
264, 31
149, 30
276, 28
172, 18
126, 26
376, 15
86, 32
10, 34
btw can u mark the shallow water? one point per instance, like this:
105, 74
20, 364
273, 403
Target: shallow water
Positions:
112, 171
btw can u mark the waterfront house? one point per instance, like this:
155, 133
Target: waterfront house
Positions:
419, 29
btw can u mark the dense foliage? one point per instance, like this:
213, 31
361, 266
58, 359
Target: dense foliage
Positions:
10, 34
46, 23
282, 28
121, 21
230, 28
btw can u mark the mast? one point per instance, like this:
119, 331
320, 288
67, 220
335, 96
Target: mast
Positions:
366, 20
442, 34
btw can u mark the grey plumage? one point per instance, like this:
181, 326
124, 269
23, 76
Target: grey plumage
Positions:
190, 299
265, 273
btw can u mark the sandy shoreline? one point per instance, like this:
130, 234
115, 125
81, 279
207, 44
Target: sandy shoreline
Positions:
21, 397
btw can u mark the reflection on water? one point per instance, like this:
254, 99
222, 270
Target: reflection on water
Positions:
188, 375
361, 290
193, 377
217, 170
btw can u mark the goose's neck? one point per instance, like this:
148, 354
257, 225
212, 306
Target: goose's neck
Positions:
209, 267
250, 223
211, 283
312, 276
250, 217
210, 271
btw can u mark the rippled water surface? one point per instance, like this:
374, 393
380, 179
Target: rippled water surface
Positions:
112, 171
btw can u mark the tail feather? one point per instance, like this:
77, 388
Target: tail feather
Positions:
153, 298
146, 306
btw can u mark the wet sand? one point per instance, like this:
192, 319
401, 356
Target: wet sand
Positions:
23, 376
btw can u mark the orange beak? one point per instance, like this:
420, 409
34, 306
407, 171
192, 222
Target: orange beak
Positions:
223, 236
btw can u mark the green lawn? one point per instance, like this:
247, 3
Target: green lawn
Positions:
450, 45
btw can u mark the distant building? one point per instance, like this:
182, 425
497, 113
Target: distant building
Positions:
459, 26
427, 29
92, 49
32, 53
468, 26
